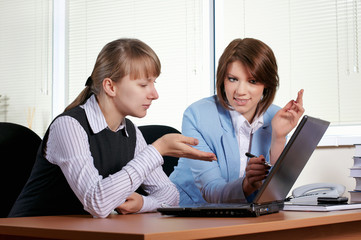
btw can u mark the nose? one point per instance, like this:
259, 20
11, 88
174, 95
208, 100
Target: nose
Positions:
153, 93
241, 88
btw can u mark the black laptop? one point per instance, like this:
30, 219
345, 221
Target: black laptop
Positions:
270, 197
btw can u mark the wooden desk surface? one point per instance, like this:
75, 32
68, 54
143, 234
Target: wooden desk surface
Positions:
282, 225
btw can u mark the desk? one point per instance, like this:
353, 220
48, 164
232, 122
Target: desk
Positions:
282, 225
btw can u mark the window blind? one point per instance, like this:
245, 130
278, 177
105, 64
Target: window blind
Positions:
172, 28
316, 44
25, 63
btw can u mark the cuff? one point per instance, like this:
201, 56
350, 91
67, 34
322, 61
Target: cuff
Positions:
148, 205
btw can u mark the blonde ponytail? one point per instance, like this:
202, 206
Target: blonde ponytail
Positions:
80, 99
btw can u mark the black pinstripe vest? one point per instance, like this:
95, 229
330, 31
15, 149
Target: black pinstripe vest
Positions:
47, 191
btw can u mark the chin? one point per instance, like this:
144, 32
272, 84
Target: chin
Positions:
139, 115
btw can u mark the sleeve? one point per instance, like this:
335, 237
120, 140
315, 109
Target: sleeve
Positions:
157, 184
68, 147
214, 187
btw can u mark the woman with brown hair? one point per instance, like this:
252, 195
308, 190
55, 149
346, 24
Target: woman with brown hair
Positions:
92, 158
239, 119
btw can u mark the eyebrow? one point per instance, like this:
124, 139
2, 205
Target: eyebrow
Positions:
230, 75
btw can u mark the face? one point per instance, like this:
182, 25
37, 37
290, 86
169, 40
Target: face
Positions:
243, 92
134, 96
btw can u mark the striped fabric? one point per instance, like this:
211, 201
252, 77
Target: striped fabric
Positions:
68, 147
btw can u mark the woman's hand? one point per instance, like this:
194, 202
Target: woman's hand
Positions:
287, 117
283, 122
177, 145
132, 204
256, 172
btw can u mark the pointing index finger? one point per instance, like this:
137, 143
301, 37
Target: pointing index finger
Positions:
300, 97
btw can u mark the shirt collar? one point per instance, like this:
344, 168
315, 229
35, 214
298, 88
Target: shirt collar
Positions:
239, 122
96, 118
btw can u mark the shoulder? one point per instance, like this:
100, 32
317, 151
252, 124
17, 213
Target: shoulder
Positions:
63, 135
207, 114
204, 105
273, 109
66, 123
131, 127
270, 113
69, 118
75, 112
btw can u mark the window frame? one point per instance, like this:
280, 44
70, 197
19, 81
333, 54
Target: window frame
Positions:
335, 135
60, 89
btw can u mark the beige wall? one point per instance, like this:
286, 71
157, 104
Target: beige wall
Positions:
329, 164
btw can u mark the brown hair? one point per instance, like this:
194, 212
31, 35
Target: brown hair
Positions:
261, 63
116, 60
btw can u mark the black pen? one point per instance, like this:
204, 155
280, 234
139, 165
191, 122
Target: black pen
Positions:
250, 155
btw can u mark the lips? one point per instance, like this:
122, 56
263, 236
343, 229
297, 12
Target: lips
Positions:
146, 106
241, 102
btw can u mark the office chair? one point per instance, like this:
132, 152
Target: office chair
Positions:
152, 133
18, 148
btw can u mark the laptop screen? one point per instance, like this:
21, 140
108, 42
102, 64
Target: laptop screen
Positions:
292, 160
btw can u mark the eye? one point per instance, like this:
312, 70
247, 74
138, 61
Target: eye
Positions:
253, 81
232, 79
151, 79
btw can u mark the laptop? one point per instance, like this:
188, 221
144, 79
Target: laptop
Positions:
270, 197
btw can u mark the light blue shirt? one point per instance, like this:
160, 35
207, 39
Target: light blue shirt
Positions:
218, 181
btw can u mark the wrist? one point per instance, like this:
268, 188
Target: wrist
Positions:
277, 146
246, 188
278, 139
158, 145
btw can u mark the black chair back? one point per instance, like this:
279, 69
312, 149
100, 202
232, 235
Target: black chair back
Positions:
18, 148
152, 133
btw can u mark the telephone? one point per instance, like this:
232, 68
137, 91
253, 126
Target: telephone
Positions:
309, 194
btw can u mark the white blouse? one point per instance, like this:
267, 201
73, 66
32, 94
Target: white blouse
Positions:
244, 131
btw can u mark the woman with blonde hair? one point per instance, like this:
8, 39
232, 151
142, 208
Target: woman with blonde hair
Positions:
92, 158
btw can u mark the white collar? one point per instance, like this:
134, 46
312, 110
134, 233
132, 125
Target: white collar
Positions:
96, 118
240, 122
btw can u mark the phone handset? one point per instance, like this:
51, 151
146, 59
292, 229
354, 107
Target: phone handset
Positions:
309, 193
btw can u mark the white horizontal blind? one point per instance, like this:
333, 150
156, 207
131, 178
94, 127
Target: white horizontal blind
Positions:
316, 43
25, 63
173, 28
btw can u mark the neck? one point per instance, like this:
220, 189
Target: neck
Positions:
254, 115
111, 115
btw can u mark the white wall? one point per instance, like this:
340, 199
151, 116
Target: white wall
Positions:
329, 164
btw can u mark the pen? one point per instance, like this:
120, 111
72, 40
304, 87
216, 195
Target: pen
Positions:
250, 155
